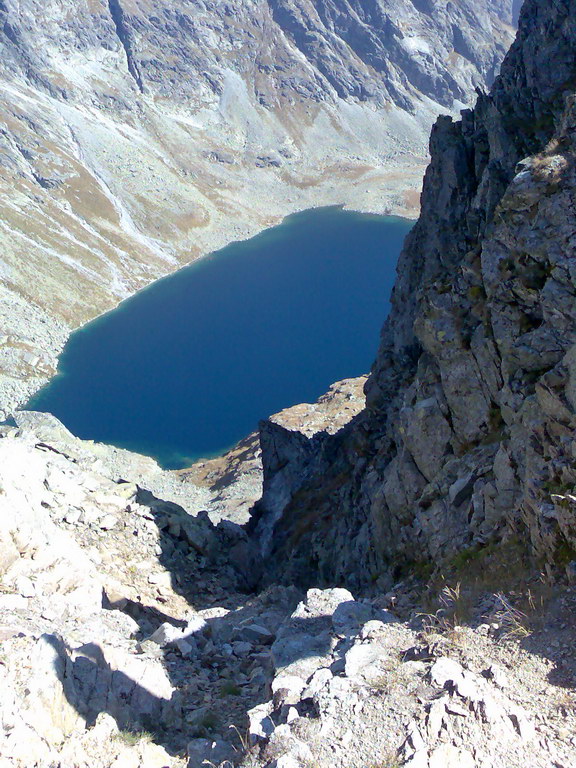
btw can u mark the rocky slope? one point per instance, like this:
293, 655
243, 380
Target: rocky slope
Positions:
129, 639
130, 131
468, 436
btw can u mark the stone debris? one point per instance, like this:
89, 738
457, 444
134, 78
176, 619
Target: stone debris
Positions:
146, 653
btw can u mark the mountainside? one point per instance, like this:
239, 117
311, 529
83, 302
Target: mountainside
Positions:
136, 135
137, 633
133, 634
468, 435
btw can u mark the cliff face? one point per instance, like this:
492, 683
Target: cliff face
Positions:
468, 434
130, 131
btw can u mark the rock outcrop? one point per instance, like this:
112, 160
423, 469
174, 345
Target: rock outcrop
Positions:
355, 686
126, 633
130, 131
468, 435
129, 638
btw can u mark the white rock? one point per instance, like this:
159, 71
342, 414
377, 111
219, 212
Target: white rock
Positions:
317, 683
153, 756
445, 670
292, 715
126, 759
286, 761
13, 603
373, 629
415, 738
166, 634
322, 602
339, 688
498, 675
467, 687
523, 724
261, 724
455, 708
491, 710
195, 624
449, 756
25, 586
72, 516
436, 718
161, 579
418, 760
360, 659
8, 552
108, 522
294, 685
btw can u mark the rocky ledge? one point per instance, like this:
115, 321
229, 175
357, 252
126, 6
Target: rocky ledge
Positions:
131, 635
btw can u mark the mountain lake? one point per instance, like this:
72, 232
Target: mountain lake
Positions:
187, 367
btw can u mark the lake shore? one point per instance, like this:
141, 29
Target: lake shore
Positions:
33, 337
188, 367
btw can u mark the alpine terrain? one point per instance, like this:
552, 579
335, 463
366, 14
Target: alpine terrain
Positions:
401, 591
137, 135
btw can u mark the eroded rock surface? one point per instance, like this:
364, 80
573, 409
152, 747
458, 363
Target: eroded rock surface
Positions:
468, 435
129, 637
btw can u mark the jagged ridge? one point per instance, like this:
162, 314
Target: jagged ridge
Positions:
470, 404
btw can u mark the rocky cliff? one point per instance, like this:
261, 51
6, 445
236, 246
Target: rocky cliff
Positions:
468, 434
131, 129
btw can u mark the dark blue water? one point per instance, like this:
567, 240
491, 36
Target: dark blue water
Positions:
188, 366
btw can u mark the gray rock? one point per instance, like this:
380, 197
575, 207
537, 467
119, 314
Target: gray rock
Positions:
446, 670
257, 634
246, 559
206, 751
349, 617
470, 402
241, 648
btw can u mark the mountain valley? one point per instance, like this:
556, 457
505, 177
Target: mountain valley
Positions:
384, 578
136, 136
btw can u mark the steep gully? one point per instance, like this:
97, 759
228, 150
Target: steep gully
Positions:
117, 13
